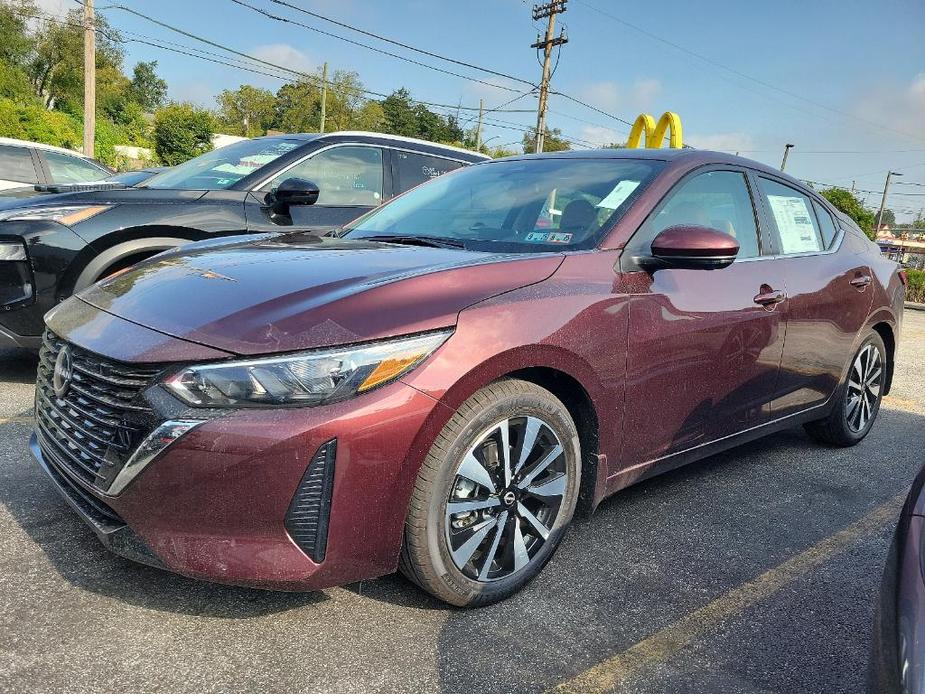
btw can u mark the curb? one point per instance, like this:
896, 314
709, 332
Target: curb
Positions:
911, 305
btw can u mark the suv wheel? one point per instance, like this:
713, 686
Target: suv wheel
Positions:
494, 496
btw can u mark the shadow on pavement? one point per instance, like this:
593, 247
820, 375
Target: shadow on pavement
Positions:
17, 366
657, 551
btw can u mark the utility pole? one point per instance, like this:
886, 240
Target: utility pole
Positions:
783, 163
324, 93
89, 78
852, 186
550, 10
886, 187
478, 130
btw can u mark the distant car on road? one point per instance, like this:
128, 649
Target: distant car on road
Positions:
443, 384
56, 244
25, 163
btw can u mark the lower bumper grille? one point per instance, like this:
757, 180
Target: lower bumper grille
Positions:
91, 427
308, 514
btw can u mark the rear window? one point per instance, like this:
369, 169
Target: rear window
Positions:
16, 165
413, 169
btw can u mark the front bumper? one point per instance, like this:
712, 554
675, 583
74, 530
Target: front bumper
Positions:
214, 504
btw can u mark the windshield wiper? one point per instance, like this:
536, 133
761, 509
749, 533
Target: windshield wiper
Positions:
431, 241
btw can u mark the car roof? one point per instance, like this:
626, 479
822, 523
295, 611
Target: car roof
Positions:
365, 135
688, 157
39, 145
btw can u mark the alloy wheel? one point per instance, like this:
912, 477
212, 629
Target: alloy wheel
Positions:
864, 384
506, 496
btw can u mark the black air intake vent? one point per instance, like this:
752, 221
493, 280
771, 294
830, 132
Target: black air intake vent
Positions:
307, 517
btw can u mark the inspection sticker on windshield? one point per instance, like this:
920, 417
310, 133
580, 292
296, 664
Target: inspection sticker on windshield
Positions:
618, 195
551, 237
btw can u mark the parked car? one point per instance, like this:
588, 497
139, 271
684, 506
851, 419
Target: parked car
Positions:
29, 163
898, 662
55, 245
439, 387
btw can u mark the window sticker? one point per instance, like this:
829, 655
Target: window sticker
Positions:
558, 238
536, 237
618, 195
794, 224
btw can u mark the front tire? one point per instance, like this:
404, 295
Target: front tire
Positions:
859, 397
494, 497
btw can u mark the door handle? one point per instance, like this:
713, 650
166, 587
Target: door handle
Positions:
769, 297
860, 282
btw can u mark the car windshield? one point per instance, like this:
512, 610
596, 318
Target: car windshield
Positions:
527, 205
222, 168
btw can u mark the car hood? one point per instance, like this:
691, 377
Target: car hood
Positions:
282, 293
106, 194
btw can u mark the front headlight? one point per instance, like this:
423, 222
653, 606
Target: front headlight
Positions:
65, 214
311, 378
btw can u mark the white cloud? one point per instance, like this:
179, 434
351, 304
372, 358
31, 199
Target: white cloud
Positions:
286, 55
613, 97
896, 106
55, 7
599, 135
723, 142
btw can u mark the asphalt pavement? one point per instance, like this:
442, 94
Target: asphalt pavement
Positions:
752, 571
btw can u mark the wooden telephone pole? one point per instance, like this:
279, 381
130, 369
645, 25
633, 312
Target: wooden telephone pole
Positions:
89, 78
550, 10
324, 94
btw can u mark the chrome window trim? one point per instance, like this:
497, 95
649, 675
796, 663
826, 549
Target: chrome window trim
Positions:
836, 245
257, 187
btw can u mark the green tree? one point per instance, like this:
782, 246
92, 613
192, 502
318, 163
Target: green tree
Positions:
553, 142
888, 217
853, 207
247, 110
400, 115
147, 89
181, 132
370, 116
56, 66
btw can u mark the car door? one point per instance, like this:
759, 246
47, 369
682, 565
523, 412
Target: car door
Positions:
704, 346
351, 181
827, 282
17, 167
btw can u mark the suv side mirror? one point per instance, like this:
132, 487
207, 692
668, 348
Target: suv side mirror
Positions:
292, 191
693, 247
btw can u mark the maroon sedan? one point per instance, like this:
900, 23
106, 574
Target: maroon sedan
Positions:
440, 387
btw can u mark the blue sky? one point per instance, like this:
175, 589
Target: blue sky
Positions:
861, 63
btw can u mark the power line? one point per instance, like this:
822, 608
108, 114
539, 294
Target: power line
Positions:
401, 44
286, 20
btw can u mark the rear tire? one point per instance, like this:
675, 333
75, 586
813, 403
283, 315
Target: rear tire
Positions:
481, 525
858, 399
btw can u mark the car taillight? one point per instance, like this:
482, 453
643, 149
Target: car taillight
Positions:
903, 278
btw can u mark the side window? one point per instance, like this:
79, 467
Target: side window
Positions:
67, 169
826, 225
344, 175
716, 199
16, 165
794, 222
413, 169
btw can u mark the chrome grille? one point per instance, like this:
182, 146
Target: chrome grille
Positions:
92, 430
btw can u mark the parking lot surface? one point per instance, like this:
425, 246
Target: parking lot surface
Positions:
752, 571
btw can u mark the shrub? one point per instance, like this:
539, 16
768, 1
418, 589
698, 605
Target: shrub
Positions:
181, 132
915, 290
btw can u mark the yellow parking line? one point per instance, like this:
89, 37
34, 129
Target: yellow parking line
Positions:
659, 647
17, 419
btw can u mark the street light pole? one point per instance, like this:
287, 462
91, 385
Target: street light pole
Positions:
89, 78
783, 163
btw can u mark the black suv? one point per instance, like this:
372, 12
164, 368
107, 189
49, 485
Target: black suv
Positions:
55, 244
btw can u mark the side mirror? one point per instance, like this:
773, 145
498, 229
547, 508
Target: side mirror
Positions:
693, 247
292, 191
